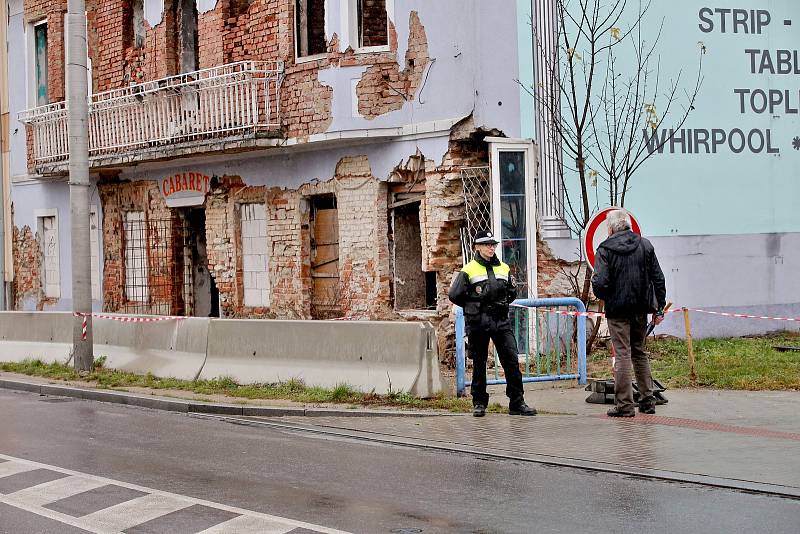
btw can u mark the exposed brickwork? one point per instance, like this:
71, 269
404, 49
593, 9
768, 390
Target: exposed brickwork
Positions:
118, 198
306, 102
237, 30
114, 31
383, 87
53, 11
556, 277
27, 267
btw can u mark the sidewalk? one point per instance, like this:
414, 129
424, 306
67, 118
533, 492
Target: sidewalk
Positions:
735, 439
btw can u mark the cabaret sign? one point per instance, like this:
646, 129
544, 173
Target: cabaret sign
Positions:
184, 189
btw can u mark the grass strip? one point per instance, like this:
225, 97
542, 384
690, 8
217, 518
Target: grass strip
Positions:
291, 390
746, 363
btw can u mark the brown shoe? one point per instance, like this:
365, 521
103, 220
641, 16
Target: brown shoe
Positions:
616, 412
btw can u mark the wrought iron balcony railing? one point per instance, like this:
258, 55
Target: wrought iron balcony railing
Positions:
234, 100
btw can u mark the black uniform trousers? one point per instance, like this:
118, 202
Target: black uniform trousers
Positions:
506, 346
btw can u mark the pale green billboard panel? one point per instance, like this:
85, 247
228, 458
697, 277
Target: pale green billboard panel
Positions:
734, 166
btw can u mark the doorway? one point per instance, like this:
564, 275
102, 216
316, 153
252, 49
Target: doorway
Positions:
326, 291
204, 288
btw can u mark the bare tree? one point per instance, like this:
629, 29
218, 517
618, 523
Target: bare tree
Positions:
603, 97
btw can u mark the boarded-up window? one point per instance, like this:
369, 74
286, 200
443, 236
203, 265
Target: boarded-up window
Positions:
48, 232
255, 258
327, 298
137, 288
373, 23
40, 63
310, 27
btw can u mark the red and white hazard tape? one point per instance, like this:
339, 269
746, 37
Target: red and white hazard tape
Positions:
745, 316
673, 310
123, 319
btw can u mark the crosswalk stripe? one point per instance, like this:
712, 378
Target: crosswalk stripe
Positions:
135, 512
249, 525
56, 516
12, 468
100, 524
55, 490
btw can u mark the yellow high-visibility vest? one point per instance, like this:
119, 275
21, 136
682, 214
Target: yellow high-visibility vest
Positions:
477, 273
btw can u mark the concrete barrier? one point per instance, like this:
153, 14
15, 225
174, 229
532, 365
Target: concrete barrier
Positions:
46, 336
174, 348
367, 355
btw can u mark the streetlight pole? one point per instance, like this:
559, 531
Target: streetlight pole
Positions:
78, 138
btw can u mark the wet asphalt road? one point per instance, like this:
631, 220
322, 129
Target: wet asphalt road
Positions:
353, 485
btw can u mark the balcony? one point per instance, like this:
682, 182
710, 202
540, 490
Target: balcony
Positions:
237, 101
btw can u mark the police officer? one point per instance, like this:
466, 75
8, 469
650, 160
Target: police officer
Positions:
484, 288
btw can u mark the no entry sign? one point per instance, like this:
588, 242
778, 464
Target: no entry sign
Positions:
597, 231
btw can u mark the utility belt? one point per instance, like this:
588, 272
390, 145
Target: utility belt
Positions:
495, 310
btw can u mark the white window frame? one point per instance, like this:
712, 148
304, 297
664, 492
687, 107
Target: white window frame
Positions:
503, 144
30, 61
305, 59
350, 23
40, 215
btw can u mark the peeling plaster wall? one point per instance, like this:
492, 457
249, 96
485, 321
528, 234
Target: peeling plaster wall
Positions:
29, 197
292, 168
468, 70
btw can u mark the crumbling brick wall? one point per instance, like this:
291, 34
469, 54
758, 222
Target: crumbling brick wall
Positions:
119, 197
27, 257
237, 30
53, 11
363, 250
384, 87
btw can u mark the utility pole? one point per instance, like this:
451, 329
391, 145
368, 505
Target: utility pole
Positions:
78, 136
3, 142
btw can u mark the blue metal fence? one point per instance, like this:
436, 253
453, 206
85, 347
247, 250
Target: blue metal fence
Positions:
548, 341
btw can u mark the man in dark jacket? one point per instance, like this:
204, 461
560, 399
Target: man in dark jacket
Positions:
484, 288
629, 280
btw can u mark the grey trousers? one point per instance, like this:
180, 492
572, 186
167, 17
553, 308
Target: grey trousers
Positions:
627, 336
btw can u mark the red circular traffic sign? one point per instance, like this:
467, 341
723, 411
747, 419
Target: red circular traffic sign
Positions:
597, 231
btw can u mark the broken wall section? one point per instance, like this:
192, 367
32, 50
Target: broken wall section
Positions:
27, 255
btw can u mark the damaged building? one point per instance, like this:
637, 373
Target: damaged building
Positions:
307, 159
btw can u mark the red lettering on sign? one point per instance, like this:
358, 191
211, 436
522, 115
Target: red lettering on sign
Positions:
186, 181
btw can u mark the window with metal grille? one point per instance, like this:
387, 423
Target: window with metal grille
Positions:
255, 255
137, 287
158, 272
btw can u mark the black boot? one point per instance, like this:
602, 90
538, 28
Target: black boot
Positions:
616, 412
521, 409
648, 406
479, 410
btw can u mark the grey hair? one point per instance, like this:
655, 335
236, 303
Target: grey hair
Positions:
618, 220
